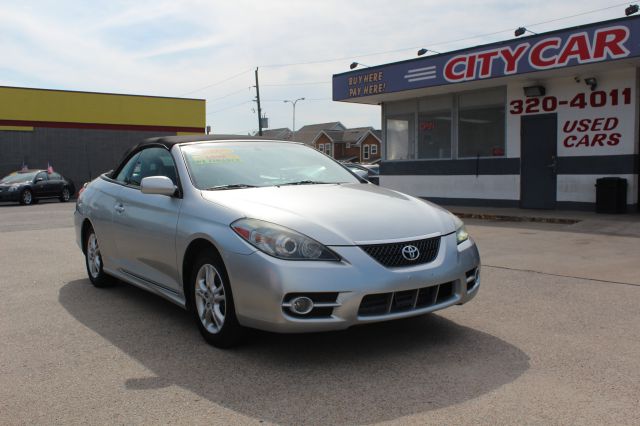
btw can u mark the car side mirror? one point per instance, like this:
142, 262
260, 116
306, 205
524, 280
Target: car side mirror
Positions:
362, 173
160, 185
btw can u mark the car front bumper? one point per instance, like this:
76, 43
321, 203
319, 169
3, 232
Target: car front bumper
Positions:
260, 284
9, 195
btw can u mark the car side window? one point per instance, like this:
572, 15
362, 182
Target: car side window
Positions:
125, 172
153, 162
55, 176
42, 176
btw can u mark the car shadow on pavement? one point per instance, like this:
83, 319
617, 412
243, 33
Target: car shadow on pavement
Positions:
17, 204
369, 373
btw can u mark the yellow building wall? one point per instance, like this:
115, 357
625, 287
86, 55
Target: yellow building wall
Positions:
56, 106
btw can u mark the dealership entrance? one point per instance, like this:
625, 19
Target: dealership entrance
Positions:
538, 161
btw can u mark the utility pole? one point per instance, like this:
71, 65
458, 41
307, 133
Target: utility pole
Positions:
258, 100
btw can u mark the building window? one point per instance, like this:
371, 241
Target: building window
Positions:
321, 147
400, 137
374, 149
348, 145
465, 125
365, 152
481, 124
434, 127
327, 148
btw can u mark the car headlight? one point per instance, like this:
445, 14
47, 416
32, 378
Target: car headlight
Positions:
281, 242
13, 188
461, 232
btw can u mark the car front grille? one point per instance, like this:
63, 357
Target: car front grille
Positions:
390, 255
409, 300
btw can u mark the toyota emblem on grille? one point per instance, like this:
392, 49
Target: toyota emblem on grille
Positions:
410, 252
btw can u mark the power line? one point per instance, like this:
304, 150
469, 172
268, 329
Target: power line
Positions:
229, 107
306, 99
440, 43
578, 14
345, 58
444, 43
229, 94
217, 82
309, 83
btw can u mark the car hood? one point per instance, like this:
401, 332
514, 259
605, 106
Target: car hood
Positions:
338, 214
9, 185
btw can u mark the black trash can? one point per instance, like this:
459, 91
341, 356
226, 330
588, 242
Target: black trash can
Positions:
611, 195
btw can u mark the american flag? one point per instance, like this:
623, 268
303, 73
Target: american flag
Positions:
49, 168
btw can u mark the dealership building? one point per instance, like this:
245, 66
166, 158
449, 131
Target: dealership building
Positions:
83, 134
532, 122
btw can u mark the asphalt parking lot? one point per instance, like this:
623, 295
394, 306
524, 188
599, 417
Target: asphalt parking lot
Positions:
552, 338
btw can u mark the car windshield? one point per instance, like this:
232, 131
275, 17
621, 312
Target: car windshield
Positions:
254, 164
19, 177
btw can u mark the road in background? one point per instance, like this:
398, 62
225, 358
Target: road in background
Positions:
552, 337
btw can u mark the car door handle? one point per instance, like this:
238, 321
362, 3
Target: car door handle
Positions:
119, 207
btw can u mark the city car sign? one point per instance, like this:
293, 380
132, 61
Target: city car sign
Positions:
604, 41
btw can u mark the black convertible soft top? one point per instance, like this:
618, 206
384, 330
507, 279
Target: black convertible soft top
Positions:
169, 141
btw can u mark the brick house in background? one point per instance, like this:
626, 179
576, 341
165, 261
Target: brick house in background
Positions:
308, 134
283, 133
357, 145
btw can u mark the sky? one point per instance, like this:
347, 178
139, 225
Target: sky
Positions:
209, 49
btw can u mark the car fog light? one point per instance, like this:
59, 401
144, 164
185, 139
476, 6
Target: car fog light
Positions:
301, 305
477, 277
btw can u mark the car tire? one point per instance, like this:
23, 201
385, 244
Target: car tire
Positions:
211, 303
26, 197
93, 261
65, 195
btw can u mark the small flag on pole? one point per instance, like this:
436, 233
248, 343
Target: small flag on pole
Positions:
24, 167
49, 168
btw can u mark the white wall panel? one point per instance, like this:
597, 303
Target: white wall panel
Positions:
581, 188
497, 187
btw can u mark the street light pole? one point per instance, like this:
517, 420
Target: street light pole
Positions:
294, 114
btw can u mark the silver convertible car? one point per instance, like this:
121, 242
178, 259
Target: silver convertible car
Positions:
247, 232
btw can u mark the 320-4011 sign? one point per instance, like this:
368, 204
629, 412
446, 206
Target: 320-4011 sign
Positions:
596, 99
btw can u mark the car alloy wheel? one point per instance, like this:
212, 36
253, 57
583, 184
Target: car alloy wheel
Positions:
210, 298
64, 197
26, 197
93, 260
